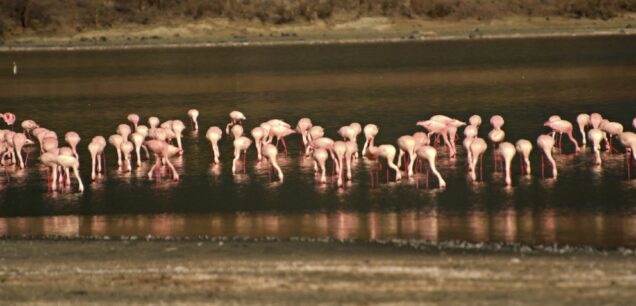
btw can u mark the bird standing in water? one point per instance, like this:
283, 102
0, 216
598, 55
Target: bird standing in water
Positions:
15, 68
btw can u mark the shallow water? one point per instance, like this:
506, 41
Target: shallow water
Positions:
392, 85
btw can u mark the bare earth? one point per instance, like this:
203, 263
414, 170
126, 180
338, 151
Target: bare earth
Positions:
206, 272
222, 32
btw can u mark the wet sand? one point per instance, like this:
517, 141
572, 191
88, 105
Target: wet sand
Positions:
220, 32
299, 272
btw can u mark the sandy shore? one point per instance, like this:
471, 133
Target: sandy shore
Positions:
213, 32
292, 272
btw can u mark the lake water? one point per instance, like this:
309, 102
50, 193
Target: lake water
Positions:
391, 85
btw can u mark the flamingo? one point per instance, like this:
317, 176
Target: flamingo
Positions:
241, 144
15, 68
49, 159
595, 120
236, 118
327, 144
70, 162
258, 133
49, 143
477, 148
214, 134
302, 127
161, 150
524, 148
613, 129
96, 148
357, 128
561, 127
116, 140
429, 153
9, 119
153, 122
237, 131
124, 130
127, 148
497, 122
134, 120
72, 138
407, 144
19, 141
507, 152
440, 128
370, 131
271, 152
583, 120
634, 123
387, 152
138, 140
340, 150
28, 126
475, 120
352, 150
280, 132
596, 136
315, 132
178, 127
496, 136
320, 157
194, 115
546, 144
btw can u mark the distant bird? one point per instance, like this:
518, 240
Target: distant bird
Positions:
429, 154
15, 68
507, 151
194, 114
546, 144
524, 147
583, 120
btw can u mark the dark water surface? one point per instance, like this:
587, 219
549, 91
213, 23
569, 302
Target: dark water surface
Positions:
392, 85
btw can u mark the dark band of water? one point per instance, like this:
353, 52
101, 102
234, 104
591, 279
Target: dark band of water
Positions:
391, 85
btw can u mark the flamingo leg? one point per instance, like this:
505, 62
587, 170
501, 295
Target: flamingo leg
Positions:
629, 160
542, 166
481, 167
284, 145
244, 163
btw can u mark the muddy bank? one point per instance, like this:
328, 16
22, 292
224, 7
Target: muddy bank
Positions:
224, 32
275, 272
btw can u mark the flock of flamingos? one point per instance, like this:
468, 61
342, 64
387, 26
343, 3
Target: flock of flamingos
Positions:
163, 141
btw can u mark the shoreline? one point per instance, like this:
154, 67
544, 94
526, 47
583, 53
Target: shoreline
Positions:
190, 272
367, 30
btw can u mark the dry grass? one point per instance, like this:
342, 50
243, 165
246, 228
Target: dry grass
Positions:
42, 17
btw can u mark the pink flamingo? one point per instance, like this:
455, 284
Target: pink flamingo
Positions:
497, 122
194, 115
124, 130
138, 140
357, 128
96, 148
258, 133
437, 127
70, 162
236, 117
39, 133
475, 120
134, 120
302, 127
116, 140
496, 136
583, 120
546, 144
507, 152
73, 139
563, 127
9, 119
127, 148
214, 134
634, 123
280, 132
596, 136
178, 127
387, 152
315, 132
271, 152
340, 149
477, 148
28, 126
161, 150
429, 154
613, 129
524, 148
49, 143
407, 144
241, 144
19, 141
49, 159
237, 131
327, 144
370, 131
320, 158
595, 120
153, 122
